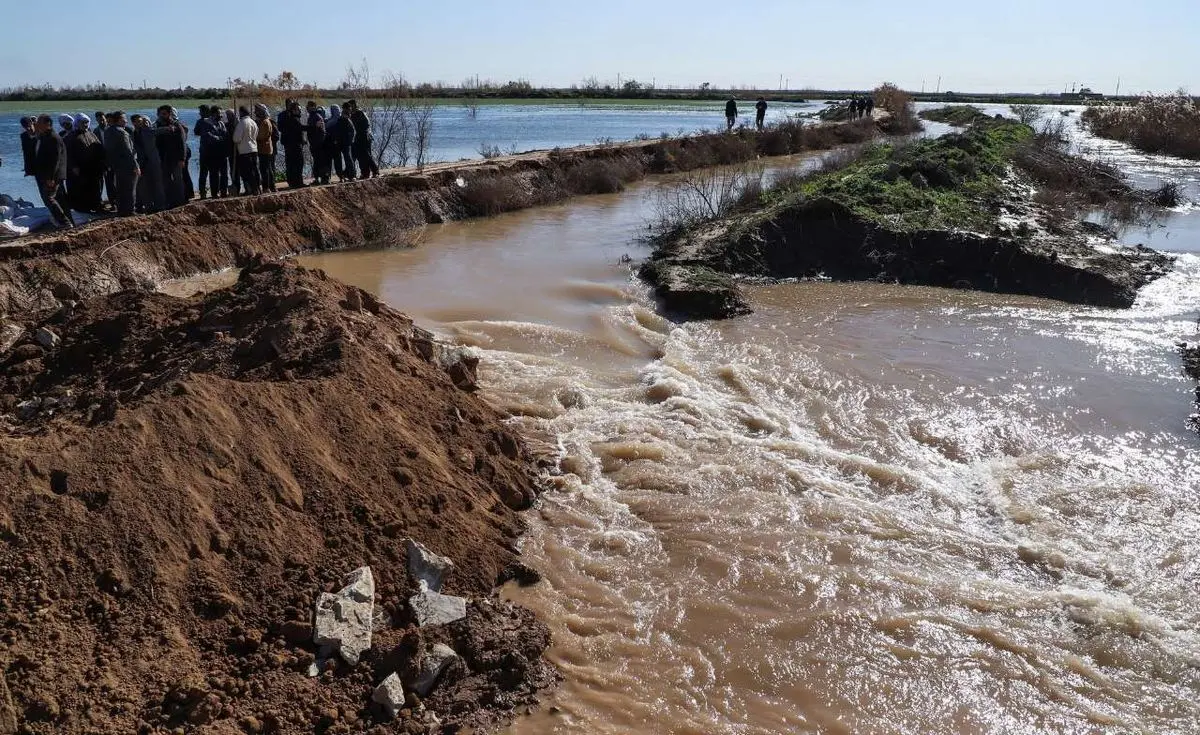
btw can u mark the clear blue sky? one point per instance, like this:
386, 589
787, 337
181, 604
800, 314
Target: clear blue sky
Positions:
1027, 45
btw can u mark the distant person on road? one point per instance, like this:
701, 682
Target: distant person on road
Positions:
29, 139
150, 194
100, 123
870, 102
291, 135
123, 161
731, 113
85, 168
760, 113
246, 137
267, 135
50, 170
367, 168
172, 152
341, 139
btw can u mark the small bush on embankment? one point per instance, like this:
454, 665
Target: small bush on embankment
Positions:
1155, 124
902, 119
959, 116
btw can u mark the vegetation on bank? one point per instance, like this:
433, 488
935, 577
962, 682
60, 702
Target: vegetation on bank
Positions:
1168, 124
957, 115
954, 182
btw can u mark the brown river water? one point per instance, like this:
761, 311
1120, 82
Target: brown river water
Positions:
862, 509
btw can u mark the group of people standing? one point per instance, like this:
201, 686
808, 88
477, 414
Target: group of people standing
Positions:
143, 166
760, 113
861, 107
239, 150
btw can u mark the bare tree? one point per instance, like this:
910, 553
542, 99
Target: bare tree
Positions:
422, 129
1028, 114
705, 194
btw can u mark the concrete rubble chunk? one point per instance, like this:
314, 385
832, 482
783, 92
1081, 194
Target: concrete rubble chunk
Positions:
390, 694
10, 334
428, 570
433, 663
434, 608
344, 619
47, 338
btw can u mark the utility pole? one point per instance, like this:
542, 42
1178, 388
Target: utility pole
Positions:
1118, 93
922, 86
939, 88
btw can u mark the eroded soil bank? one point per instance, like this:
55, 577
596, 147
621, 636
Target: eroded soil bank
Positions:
37, 272
991, 209
180, 480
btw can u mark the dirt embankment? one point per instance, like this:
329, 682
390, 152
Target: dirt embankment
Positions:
989, 209
140, 252
180, 479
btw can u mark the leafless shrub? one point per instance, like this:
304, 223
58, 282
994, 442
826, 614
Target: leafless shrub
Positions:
705, 195
1027, 114
422, 117
490, 151
903, 114
1170, 194
485, 196
601, 176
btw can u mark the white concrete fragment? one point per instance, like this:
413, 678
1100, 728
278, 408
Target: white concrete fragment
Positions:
433, 663
434, 608
48, 339
390, 694
428, 570
344, 619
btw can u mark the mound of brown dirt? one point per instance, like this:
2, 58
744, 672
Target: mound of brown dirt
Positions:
180, 479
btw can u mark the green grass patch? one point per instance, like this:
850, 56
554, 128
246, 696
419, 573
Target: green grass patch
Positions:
954, 182
957, 115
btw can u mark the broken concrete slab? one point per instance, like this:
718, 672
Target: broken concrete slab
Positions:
426, 567
433, 663
390, 694
344, 619
434, 608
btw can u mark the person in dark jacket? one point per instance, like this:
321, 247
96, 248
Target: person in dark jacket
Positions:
340, 138
172, 152
870, 105
317, 134
731, 113
29, 138
85, 168
98, 126
362, 140
214, 152
234, 187
123, 161
291, 135
760, 113
150, 195
50, 170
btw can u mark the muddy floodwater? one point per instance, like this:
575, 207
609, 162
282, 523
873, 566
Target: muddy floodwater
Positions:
862, 509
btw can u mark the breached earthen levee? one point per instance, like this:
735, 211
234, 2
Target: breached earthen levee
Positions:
952, 213
40, 271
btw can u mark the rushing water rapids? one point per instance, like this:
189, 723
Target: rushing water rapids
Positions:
863, 509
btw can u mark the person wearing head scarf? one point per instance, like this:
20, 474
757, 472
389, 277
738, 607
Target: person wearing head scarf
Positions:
67, 124
150, 194
28, 144
85, 167
172, 153
266, 147
316, 143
